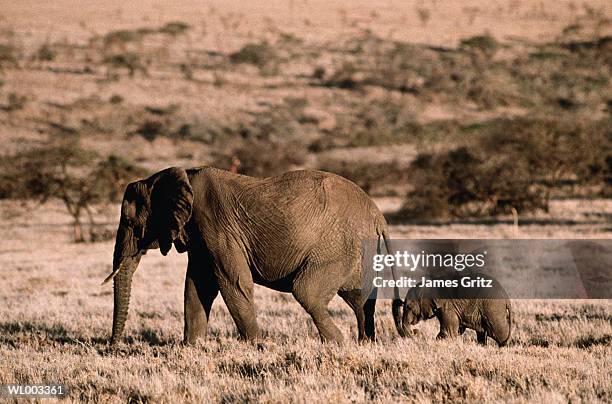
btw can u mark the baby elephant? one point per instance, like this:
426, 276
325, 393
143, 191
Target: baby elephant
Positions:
489, 317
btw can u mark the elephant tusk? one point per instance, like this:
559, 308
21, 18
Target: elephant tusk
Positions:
112, 275
116, 271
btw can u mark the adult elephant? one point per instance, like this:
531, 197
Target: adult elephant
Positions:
299, 232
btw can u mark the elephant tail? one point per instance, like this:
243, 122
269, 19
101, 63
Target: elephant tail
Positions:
509, 319
397, 304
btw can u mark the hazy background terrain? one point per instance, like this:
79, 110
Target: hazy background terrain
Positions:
459, 118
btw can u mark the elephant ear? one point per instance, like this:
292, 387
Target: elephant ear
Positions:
171, 205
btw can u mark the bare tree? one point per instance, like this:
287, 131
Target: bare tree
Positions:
65, 171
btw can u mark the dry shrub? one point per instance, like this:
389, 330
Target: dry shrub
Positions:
172, 123
8, 55
558, 151
150, 129
263, 158
550, 75
345, 77
485, 44
45, 53
379, 179
128, 60
607, 176
116, 99
517, 163
385, 122
373, 123
14, 102
65, 171
278, 122
261, 55
112, 174
174, 28
201, 129
465, 183
124, 36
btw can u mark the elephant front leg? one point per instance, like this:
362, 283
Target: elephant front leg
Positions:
236, 286
201, 289
449, 325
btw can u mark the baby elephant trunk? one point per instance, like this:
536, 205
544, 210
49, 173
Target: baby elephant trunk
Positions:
403, 329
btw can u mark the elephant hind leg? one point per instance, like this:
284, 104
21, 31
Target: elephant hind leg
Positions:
355, 301
369, 307
364, 313
314, 297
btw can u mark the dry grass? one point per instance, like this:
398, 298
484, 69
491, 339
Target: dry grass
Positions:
55, 318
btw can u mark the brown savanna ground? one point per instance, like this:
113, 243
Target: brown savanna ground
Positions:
55, 319
108, 85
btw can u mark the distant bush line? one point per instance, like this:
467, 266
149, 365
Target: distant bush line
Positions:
513, 164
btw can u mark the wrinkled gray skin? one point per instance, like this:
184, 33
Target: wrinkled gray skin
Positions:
488, 317
299, 232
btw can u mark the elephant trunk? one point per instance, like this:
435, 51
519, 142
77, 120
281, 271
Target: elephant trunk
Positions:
397, 304
402, 322
122, 285
396, 307
406, 330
